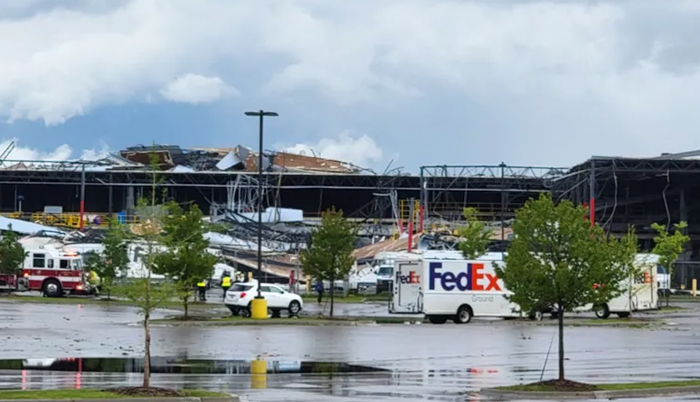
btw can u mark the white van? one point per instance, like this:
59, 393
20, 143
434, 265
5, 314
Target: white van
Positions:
445, 287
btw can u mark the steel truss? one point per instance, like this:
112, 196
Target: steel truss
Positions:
632, 165
446, 189
72, 176
637, 192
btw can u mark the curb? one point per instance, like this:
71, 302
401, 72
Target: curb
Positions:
498, 395
232, 398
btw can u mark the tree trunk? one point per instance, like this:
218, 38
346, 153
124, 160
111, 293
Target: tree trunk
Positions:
147, 352
561, 344
332, 294
185, 303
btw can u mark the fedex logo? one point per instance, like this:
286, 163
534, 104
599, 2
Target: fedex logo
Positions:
412, 277
471, 279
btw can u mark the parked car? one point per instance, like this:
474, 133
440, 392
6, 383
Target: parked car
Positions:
240, 295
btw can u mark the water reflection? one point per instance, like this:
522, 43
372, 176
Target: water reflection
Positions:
179, 365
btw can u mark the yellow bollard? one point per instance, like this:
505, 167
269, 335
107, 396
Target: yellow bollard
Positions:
250, 276
258, 309
695, 287
258, 374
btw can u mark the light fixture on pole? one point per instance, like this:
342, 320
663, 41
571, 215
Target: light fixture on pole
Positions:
259, 304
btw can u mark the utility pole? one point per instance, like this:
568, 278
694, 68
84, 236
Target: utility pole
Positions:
82, 196
259, 304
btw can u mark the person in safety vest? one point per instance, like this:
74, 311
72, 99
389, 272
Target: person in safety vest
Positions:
225, 284
202, 288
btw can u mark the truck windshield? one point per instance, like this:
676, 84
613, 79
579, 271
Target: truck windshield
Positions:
77, 264
385, 271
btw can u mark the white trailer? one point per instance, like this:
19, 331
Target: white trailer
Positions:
445, 287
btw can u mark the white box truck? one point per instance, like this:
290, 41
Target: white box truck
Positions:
444, 287
450, 288
642, 291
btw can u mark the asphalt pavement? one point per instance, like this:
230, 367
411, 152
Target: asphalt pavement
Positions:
423, 361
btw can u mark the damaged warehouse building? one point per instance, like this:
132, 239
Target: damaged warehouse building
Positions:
297, 188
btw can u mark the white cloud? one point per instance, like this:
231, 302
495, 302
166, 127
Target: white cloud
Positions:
60, 153
360, 150
195, 89
617, 72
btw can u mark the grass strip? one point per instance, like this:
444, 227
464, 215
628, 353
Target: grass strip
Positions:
59, 394
310, 320
174, 305
629, 386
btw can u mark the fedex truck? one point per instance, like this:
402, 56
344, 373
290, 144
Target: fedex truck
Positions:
450, 289
445, 287
641, 292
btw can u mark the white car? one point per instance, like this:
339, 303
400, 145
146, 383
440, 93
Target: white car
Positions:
240, 295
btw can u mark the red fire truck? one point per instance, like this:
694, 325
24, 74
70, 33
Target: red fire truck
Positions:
53, 270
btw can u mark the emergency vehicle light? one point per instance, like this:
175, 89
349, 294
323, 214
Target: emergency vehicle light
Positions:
26, 274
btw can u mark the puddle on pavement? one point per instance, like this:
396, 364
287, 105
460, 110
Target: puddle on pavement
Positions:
173, 365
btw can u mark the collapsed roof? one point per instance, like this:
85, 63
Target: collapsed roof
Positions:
239, 158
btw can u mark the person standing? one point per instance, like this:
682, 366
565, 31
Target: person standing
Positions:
226, 284
319, 289
202, 288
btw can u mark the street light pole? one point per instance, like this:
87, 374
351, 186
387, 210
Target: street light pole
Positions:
261, 115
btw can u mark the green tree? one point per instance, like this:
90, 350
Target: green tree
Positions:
186, 260
557, 259
142, 292
112, 263
669, 247
475, 236
330, 255
12, 252
626, 258
146, 296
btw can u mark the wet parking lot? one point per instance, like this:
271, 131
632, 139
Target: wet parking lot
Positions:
399, 362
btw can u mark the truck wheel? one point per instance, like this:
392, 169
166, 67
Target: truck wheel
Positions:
437, 319
602, 311
52, 288
464, 315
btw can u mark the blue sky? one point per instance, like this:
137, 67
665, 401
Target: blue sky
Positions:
415, 81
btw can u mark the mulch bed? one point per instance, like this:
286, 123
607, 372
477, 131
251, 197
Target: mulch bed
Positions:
151, 392
192, 318
566, 385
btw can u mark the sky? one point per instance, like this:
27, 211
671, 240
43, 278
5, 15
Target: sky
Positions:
404, 83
